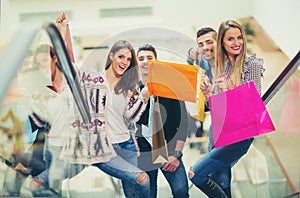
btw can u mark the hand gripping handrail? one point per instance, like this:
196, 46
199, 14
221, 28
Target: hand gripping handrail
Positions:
12, 57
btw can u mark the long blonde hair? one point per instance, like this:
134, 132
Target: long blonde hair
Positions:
221, 53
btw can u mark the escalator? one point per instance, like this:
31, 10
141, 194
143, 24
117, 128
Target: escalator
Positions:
24, 80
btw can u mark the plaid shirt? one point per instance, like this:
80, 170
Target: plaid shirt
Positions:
253, 70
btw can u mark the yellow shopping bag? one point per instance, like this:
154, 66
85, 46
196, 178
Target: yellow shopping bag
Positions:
200, 98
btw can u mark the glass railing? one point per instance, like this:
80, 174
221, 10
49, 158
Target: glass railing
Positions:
269, 169
26, 88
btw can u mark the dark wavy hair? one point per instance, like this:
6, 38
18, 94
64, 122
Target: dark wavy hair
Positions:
129, 79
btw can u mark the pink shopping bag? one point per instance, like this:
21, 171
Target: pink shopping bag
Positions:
238, 114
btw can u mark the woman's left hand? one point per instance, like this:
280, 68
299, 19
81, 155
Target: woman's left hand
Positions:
221, 83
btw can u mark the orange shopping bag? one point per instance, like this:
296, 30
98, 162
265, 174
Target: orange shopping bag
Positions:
173, 80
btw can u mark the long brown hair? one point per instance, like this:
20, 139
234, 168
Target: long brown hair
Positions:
129, 79
221, 54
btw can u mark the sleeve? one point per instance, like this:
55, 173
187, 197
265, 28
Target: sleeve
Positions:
183, 126
145, 116
135, 107
256, 71
189, 60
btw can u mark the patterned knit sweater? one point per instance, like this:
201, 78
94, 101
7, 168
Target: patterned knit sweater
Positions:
89, 143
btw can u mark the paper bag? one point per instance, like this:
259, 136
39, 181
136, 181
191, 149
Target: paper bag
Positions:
238, 114
200, 98
172, 80
159, 146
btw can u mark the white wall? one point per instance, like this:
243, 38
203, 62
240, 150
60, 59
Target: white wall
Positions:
184, 16
280, 19
190, 15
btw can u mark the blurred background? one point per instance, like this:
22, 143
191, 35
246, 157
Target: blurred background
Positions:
271, 168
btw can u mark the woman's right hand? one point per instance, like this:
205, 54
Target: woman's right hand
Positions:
61, 24
145, 94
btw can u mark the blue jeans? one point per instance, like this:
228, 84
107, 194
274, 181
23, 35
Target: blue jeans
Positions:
124, 167
218, 162
177, 181
44, 175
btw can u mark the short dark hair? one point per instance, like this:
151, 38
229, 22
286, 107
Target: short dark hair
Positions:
206, 30
147, 47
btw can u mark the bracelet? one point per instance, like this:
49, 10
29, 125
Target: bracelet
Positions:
177, 154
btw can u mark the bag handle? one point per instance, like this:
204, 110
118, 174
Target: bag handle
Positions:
224, 74
230, 79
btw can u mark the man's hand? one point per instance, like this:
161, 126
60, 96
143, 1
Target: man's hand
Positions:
172, 164
194, 53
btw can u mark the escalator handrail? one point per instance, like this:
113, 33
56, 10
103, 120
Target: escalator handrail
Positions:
282, 78
68, 70
14, 54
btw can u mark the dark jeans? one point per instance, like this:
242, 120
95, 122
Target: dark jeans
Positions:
218, 162
177, 181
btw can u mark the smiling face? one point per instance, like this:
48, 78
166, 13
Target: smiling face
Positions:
206, 45
143, 57
120, 61
233, 42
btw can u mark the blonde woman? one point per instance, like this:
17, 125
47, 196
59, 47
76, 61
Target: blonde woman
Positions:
212, 173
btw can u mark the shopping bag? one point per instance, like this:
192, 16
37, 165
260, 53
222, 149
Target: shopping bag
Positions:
173, 80
159, 146
200, 99
289, 120
238, 114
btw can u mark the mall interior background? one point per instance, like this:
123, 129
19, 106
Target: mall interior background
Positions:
272, 167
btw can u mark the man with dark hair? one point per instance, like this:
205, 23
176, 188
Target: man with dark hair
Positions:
175, 126
203, 55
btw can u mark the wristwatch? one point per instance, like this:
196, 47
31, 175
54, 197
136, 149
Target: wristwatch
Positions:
177, 154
